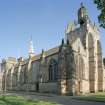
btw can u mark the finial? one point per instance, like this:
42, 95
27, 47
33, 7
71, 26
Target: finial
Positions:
43, 54
62, 41
42, 51
67, 42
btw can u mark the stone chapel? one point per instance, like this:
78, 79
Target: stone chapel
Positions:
72, 68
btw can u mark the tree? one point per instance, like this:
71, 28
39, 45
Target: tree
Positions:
101, 6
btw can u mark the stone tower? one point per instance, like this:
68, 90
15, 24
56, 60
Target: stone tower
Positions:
87, 35
66, 69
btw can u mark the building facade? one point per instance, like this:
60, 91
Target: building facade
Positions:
74, 67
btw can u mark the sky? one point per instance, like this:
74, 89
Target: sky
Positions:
44, 20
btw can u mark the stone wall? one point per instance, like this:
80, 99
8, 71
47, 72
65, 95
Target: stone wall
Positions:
50, 87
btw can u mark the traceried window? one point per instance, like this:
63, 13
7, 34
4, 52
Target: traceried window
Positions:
23, 75
80, 67
53, 70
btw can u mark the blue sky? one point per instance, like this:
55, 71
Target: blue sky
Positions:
45, 20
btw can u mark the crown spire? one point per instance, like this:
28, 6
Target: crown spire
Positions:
82, 14
31, 48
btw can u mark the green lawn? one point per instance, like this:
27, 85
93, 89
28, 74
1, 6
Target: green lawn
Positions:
98, 97
18, 100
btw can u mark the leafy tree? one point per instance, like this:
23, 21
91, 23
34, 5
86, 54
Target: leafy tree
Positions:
101, 6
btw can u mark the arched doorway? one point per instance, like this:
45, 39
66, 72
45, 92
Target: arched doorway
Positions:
99, 66
91, 63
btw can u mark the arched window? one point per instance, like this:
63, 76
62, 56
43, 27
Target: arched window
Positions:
24, 74
99, 66
91, 54
53, 70
80, 67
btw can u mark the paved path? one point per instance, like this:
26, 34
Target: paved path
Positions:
64, 100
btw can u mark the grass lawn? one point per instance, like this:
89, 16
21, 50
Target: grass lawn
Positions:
19, 100
98, 97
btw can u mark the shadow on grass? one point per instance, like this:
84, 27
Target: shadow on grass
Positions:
4, 100
18, 100
91, 98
